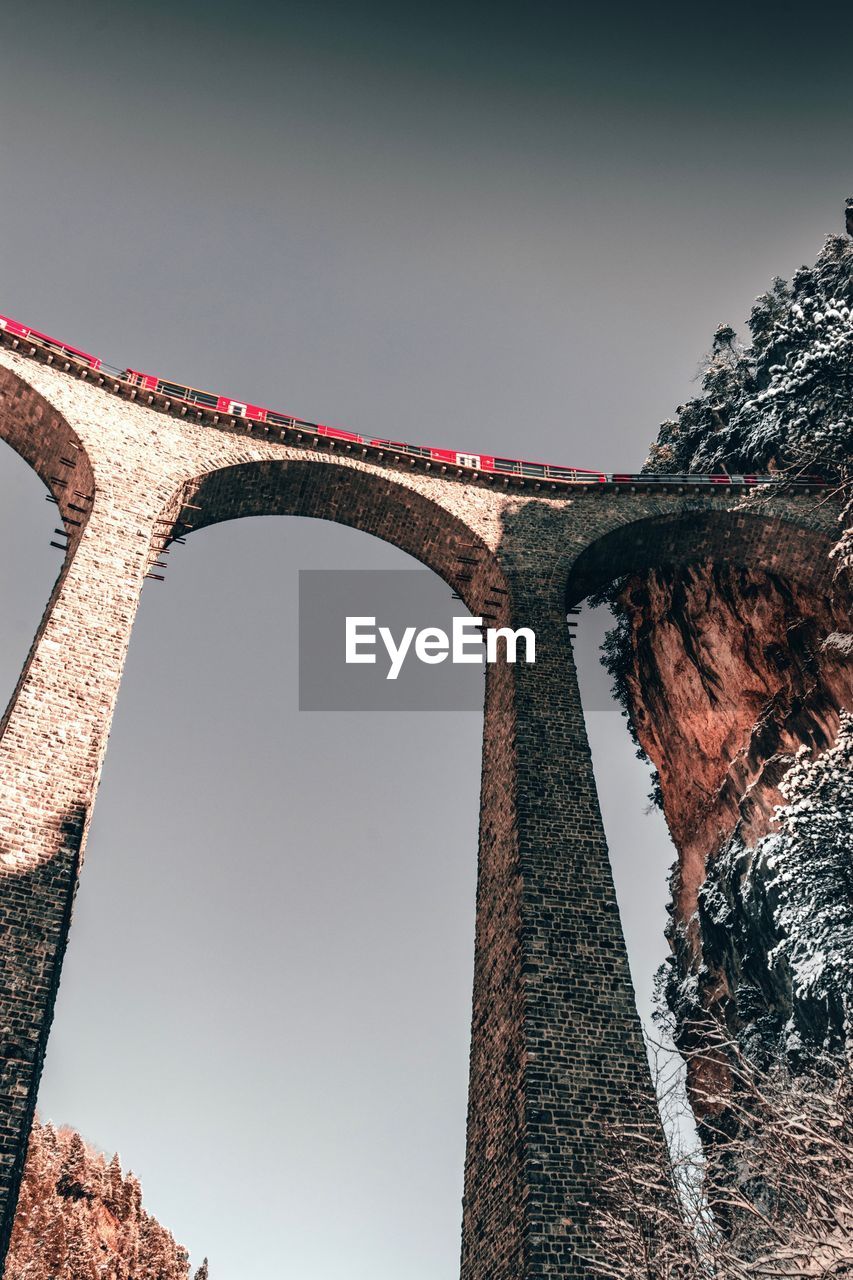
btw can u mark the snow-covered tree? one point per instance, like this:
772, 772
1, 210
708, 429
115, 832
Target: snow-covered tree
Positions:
778, 920
80, 1219
807, 868
773, 1197
780, 401
785, 401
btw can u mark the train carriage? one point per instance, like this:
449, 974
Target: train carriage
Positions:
53, 344
477, 463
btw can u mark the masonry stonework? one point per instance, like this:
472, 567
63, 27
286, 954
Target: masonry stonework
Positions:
556, 1046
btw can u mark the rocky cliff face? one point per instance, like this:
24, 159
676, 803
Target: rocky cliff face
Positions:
737, 684
81, 1218
732, 677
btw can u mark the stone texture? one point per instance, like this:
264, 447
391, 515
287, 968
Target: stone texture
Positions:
555, 1036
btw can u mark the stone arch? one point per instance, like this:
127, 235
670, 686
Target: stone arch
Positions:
44, 438
736, 731
377, 504
782, 539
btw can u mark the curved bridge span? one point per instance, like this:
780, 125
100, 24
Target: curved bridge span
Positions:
556, 1043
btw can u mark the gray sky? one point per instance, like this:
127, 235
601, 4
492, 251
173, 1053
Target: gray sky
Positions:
508, 229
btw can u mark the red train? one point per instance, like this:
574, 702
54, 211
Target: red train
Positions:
22, 331
448, 457
475, 462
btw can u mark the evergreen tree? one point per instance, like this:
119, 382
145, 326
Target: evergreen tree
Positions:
75, 1172
808, 873
780, 402
784, 401
80, 1219
114, 1191
81, 1262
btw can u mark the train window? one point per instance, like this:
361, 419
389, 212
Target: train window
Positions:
238, 408
389, 444
172, 389
507, 464
468, 459
534, 469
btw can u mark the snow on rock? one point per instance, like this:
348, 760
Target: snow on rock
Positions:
775, 921
739, 690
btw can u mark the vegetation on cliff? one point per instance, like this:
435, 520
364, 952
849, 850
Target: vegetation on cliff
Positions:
784, 402
770, 1194
80, 1217
738, 683
757, 670
776, 919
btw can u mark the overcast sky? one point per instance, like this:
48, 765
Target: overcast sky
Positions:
495, 227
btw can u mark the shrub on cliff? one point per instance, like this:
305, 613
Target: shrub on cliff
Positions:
772, 1198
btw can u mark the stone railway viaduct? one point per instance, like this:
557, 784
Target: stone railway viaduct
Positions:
556, 1044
